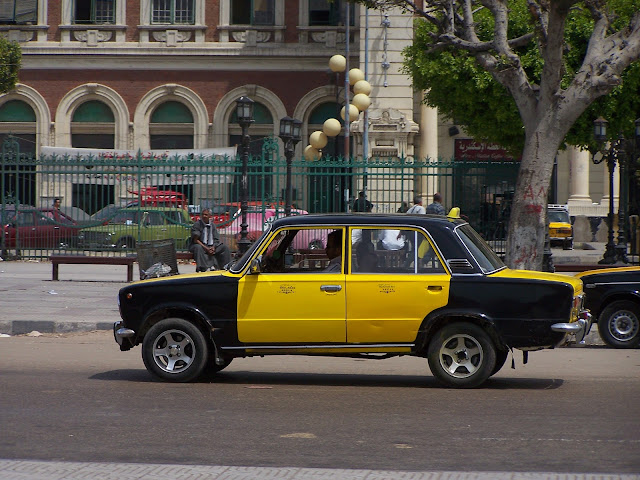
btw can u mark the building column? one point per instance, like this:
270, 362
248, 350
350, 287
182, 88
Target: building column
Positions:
579, 161
428, 146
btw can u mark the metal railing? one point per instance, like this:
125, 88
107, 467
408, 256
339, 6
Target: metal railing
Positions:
109, 204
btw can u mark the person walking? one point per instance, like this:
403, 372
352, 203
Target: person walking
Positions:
417, 205
436, 207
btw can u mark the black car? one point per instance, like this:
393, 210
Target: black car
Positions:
613, 297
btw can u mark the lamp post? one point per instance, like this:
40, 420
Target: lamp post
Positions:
290, 129
244, 114
621, 151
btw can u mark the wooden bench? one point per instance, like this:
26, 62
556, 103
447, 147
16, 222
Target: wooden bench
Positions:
56, 260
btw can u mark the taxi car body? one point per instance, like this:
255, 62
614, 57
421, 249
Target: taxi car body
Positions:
444, 296
612, 296
560, 228
130, 224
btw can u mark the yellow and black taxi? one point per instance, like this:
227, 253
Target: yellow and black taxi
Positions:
560, 228
384, 286
612, 296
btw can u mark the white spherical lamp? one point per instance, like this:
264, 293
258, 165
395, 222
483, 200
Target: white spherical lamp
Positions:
355, 75
361, 101
362, 86
353, 112
337, 63
311, 153
318, 140
331, 127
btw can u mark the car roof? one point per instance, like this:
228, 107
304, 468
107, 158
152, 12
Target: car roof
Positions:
353, 219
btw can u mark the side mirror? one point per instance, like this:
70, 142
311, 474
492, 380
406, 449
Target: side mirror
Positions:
255, 265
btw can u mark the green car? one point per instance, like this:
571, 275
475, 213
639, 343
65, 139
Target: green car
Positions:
132, 224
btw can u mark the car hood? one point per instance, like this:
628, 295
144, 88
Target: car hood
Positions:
575, 282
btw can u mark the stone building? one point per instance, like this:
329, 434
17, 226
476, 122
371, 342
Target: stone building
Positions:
165, 74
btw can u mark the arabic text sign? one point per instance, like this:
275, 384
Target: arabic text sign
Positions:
468, 149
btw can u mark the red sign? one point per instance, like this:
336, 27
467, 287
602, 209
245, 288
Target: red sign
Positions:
468, 149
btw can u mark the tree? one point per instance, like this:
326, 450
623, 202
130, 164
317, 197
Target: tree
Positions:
10, 56
529, 52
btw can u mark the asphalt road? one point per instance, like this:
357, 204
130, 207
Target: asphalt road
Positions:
76, 397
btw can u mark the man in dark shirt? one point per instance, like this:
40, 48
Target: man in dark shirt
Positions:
361, 204
436, 207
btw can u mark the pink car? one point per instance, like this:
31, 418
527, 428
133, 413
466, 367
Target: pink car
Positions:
258, 221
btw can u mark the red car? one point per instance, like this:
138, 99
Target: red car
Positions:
38, 228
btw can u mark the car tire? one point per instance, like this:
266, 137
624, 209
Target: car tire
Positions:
461, 355
175, 350
619, 324
567, 245
126, 243
501, 358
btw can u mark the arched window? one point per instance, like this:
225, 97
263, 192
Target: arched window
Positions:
19, 119
171, 127
93, 126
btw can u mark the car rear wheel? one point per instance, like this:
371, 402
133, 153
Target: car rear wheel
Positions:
567, 245
126, 243
461, 355
175, 350
619, 324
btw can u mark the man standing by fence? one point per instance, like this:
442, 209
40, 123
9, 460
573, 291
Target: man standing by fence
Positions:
417, 205
436, 207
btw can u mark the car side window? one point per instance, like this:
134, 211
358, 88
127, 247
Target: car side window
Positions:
386, 250
297, 250
25, 219
155, 218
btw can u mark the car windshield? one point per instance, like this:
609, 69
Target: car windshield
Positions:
481, 251
559, 216
238, 265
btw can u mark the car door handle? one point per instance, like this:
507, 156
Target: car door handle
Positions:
434, 288
331, 288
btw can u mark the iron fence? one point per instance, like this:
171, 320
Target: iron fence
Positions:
108, 205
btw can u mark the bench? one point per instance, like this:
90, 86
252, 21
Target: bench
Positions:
56, 260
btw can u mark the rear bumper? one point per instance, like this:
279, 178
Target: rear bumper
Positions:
579, 329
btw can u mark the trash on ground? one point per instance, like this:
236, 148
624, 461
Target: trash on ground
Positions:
34, 333
157, 270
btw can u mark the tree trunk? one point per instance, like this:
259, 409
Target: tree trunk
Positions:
528, 220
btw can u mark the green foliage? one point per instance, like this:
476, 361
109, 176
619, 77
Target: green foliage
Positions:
10, 56
465, 93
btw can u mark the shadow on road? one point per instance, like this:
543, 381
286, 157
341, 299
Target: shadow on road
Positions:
265, 379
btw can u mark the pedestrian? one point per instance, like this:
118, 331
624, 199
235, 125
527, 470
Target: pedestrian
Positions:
56, 203
208, 251
361, 204
436, 207
404, 206
417, 205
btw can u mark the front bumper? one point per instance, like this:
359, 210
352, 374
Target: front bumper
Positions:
123, 336
579, 328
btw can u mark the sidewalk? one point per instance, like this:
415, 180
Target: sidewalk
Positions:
85, 298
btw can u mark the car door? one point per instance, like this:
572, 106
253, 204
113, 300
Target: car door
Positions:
292, 299
26, 230
391, 291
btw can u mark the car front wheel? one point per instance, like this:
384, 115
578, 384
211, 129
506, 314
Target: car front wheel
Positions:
619, 324
175, 350
461, 355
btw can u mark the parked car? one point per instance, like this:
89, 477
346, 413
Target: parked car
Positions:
105, 214
613, 297
560, 228
447, 298
132, 224
79, 216
257, 221
38, 228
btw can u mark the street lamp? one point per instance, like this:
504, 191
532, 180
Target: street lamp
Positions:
244, 114
621, 151
290, 133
